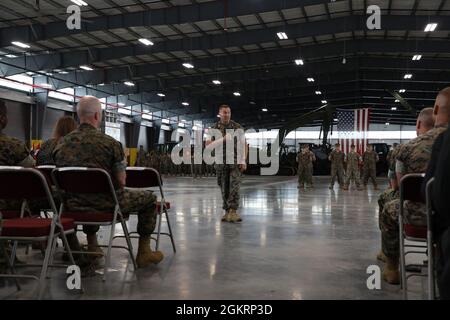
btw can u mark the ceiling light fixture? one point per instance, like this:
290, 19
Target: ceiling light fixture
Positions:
430, 27
146, 42
87, 68
188, 65
417, 57
20, 44
310, 79
299, 62
129, 83
282, 35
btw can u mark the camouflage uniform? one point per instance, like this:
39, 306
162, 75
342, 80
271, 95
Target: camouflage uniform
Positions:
44, 156
337, 167
370, 159
13, 152
228, 175
352, 160
305, 168
88, 147
412, 157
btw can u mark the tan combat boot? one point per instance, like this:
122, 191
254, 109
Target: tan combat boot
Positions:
93, 246
390, 273
145, 255
381, 256
226, 216
234, 216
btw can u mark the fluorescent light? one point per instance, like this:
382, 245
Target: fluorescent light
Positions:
166, 121
63, 72
407, 76
87, 68
101, 84
188, 65
430, 27
324, 101
79, 2
45, 85
387, 123
146, 42
394, 108
11, 56
128, 83
310, 79
125, 111
237, 94
282, 35
396, 100
216, 82
336, 119
185, 103
264, 110
161, 94
121, 104
299, 62
402, 90
20, 44
417, 57
318, 92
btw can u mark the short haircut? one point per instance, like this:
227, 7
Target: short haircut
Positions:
223, 106
337, 145
352, 146
426, 117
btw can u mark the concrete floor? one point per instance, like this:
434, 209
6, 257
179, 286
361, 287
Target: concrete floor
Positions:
311, 245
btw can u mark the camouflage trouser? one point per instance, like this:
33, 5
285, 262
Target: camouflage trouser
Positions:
140, 201
370, 172
385, 197
229, 179
352, 175
414, 214
305, 175
337, 171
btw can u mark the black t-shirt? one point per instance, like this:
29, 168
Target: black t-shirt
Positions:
439, 168
441, 186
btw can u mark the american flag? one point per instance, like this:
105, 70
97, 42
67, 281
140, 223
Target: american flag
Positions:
353, 127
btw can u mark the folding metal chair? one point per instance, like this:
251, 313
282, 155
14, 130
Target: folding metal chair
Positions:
410, 189
27, 184
82, 180
430, 242
140, 177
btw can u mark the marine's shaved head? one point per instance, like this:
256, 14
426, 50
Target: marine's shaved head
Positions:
89, 110
426, 118
442, 107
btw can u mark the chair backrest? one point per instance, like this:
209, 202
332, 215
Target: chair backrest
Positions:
83, 180
47, 172
411, 186
22, 183
140, 177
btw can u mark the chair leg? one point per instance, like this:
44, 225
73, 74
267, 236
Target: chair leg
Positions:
130, 246
11, 267
170, 231
53, 250
48, 254
159, 229
431, 286
108, 253
13, 253
403, 268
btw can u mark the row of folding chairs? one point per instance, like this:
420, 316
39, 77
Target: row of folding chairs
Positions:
28, 185
420, 239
